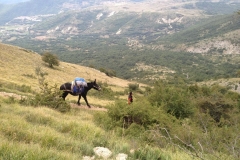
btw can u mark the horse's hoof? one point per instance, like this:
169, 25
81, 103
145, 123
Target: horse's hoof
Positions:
89, 106
78, 104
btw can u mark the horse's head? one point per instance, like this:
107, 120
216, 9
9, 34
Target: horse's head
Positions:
94, 85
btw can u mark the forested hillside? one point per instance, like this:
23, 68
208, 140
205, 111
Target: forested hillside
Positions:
195, 44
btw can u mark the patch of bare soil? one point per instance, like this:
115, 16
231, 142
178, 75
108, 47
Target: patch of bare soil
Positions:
7, 95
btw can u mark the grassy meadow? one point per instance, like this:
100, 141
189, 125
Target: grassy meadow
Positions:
37, 132
42, 133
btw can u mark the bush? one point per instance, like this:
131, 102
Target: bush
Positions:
108, 72
133, 87
51, 59
134, 119
50, 97
174, 99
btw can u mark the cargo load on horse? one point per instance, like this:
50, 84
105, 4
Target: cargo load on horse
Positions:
78, 85
68, 88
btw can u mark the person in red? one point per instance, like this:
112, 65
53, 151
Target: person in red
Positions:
130, 98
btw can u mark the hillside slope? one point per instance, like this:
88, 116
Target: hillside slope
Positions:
17, 65
124, 38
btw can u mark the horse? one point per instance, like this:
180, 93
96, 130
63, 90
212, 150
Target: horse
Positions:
66, 88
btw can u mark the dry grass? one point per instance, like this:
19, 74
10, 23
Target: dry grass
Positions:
18, 66
43, 133
92, 100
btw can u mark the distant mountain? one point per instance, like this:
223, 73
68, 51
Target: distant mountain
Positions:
137, 39
191, 7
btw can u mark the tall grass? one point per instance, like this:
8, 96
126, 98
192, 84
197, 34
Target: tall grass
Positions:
28, 133
37, 130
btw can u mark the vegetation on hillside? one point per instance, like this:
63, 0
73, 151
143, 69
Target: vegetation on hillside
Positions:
50, 59
174, 118
120, 61
205, 29
170, 119
200, 120
213, 8
113, 54
49, 96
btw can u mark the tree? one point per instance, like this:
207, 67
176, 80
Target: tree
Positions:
51, 59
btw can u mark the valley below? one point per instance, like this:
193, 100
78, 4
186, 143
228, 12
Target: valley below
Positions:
179, 58
104, 34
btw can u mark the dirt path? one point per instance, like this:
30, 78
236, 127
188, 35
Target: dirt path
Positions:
95, 108
86, 107
6, 94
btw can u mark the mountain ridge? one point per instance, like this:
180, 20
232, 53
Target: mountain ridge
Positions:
106, 39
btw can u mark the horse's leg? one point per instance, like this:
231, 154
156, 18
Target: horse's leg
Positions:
85, 98
79, 97
64, 95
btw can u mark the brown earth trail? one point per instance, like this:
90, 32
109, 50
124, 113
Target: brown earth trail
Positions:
16, 96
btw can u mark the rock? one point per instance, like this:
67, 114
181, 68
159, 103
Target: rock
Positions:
102, 152
88, 158
132, 151
121, 156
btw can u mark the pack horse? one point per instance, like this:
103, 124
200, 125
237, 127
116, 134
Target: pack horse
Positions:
68, 89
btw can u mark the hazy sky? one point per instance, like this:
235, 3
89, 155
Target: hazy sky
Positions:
12, 1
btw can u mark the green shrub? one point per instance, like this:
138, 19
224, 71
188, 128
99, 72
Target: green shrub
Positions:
48, 96
134, 130
86, 149
150, 153
133, 86
103, 120
108, 72
174, 99
133, 120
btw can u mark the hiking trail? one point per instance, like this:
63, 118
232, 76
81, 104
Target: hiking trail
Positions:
14, 95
